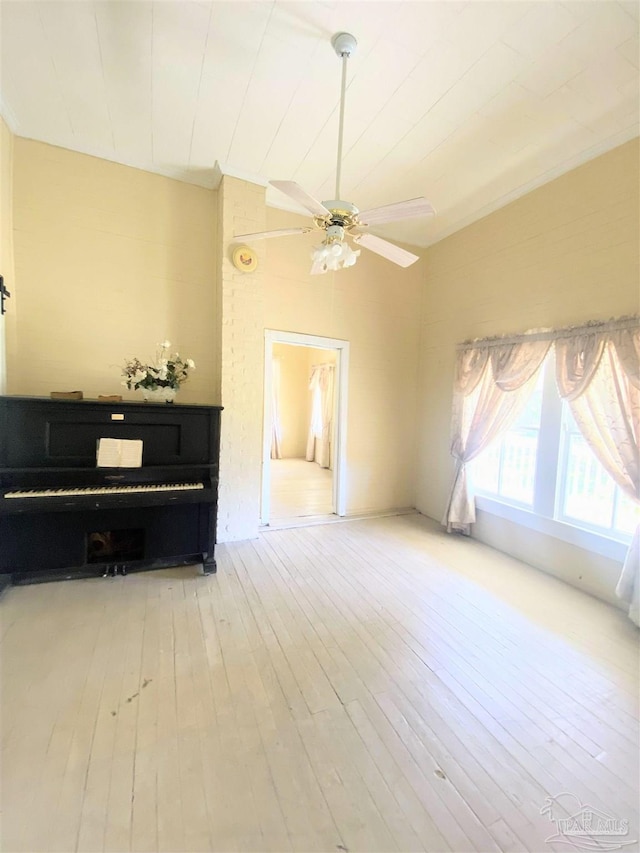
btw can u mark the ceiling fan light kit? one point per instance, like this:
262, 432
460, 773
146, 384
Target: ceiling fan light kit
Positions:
333, 253
340, 219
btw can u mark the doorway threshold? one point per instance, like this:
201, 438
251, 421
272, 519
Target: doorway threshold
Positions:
310, 520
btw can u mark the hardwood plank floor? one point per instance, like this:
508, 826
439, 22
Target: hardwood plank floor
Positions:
364, 686
299, 489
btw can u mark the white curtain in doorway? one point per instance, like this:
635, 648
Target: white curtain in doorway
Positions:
321, 385
276, 423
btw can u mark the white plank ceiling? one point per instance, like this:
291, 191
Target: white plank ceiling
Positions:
470, 104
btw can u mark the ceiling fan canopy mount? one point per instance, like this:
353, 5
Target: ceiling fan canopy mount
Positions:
339, 218
344, 44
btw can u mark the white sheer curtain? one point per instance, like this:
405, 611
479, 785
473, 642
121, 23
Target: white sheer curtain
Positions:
597, 372
321, 385
492, 386
599, 375
276, 422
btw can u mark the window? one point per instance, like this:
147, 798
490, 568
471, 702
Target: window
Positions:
588, 496
316, 411
544, 465
508, 467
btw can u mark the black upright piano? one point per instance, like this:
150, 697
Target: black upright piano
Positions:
62, 516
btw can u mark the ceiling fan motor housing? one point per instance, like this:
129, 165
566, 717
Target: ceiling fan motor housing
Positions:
341, 213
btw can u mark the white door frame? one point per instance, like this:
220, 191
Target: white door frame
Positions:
339, 449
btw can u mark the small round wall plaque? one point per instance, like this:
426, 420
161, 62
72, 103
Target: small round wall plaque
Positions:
245, 259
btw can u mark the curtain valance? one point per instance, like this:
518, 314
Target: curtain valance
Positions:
605, 326
512, 364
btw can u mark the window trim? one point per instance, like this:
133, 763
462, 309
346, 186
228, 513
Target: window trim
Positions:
580, 536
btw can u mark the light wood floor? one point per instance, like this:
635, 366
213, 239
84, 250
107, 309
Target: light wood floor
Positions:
299, 489
365, 686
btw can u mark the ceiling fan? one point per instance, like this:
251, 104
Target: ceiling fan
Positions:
340, 219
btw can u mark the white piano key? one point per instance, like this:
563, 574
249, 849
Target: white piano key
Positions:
104, 490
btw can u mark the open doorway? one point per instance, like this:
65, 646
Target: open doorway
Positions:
304, 427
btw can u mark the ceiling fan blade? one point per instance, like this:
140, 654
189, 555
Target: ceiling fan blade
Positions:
263, 235
400, 210
303, 198
388, 250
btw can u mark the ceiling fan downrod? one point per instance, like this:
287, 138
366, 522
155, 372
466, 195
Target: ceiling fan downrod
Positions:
344, 45
339, 219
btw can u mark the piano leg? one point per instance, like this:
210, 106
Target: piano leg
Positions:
209, 566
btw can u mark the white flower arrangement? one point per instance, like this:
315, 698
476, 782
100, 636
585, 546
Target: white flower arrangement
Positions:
168, 371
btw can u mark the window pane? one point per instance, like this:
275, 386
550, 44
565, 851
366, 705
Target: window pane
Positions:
316, 413
530, 417
508, 466
485, 469
519, 465
589, 490
520, 445
627, 514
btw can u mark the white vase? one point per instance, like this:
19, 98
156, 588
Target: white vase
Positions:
159, 395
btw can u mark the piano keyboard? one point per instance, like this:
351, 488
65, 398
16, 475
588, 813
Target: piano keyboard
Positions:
103, 490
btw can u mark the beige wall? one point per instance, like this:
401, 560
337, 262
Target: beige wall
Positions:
294, 398
109, 260
296, 363
7, 323
375, 306
563, 254
318, 355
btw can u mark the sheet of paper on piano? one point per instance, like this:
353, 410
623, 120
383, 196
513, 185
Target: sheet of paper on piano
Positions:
119, 453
